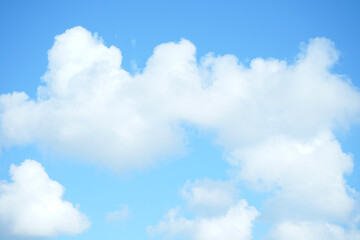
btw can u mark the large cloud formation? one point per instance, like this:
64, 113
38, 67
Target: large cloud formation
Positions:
275, 119
32, 206
92, 108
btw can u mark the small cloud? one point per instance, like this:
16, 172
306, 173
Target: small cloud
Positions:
32, 205
118, 215
209, 197
133, 43
134, 66
235, 224
224, 218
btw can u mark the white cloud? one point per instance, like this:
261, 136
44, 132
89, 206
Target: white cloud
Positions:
208, 197
118, 215
236, 224
91, 108
32, 206
221, 216
312, 231
276, 118
271, 97
308, 176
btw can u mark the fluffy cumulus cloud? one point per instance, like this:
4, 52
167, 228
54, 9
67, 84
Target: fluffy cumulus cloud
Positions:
308, 176
275, 119
90, 107
32, 205
233, 220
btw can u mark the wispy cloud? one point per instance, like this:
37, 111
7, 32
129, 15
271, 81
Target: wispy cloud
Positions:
118, 215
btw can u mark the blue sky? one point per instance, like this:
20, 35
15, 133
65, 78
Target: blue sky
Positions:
257, 140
